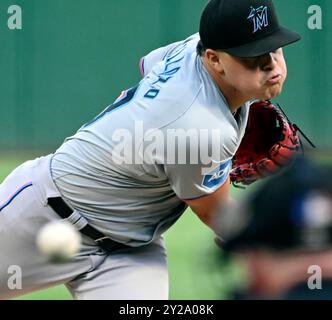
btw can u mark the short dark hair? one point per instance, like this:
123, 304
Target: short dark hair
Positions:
200, 48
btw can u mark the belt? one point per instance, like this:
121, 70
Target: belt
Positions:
64, 211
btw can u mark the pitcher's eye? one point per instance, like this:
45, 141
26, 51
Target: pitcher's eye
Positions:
250, 63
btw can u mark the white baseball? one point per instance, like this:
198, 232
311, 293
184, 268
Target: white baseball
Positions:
58, 241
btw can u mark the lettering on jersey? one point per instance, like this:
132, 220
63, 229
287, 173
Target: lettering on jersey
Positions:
218, 175
259, 17
171, 65
167, 74
152, 93
171, 68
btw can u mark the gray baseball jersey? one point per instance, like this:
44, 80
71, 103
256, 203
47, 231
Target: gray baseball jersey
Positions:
128, 170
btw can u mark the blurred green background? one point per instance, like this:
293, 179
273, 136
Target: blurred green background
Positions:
73, 57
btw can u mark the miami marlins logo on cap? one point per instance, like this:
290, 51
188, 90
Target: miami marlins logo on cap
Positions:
259, 17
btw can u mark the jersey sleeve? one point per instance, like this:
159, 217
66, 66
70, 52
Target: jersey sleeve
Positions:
147, 62
196, 180
197, 173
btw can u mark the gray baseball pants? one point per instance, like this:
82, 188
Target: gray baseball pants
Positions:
128, 274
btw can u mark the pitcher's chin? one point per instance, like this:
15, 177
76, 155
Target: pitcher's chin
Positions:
272, 92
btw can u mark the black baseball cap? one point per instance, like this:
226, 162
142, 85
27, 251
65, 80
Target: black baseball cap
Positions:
290, 211
243, 28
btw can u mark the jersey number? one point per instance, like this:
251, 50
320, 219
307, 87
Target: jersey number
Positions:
123, 99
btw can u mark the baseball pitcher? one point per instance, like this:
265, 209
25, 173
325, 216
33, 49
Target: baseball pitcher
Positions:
168, 143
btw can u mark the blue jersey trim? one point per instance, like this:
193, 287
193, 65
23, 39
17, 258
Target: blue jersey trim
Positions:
8, 202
